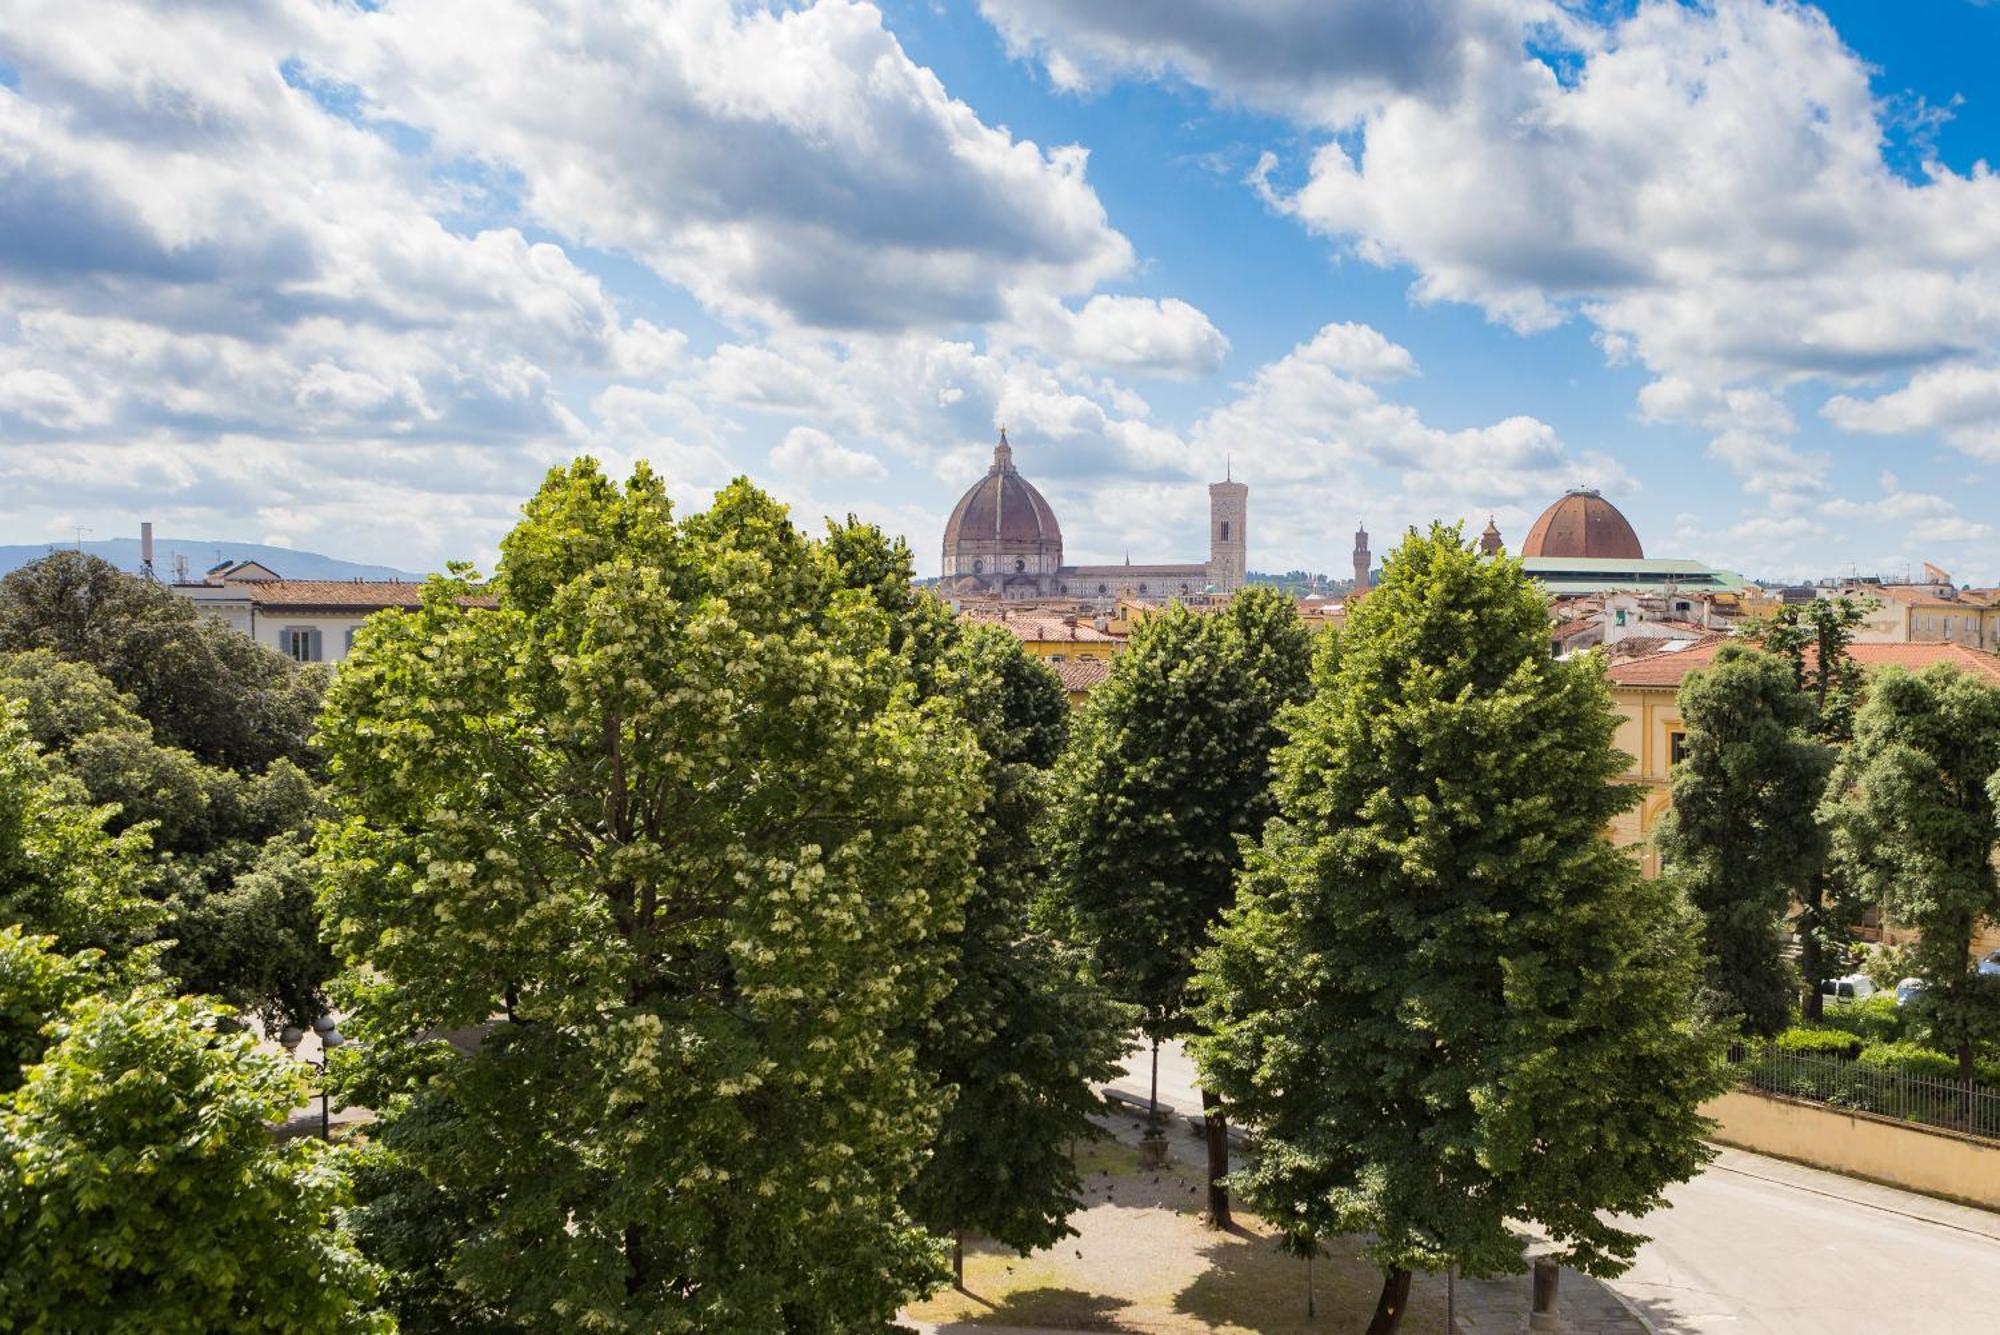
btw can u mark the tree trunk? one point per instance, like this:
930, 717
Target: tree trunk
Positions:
635, 1261
1218, 1159
1809, 961
958, 1260
1388, 1318
1153, 1100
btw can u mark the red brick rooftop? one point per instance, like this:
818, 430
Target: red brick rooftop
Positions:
1666, 668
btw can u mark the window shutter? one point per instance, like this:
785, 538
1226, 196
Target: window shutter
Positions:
312, 646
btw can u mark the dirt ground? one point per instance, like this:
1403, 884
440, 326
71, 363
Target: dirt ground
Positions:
1144, 1261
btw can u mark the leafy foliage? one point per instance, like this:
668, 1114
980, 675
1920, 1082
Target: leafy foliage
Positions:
1813, 638
62, 873
1742, 838
140, 1190
670, 832
1443, 996
210, 827
1913, 810
1821, 1042
205, 688
1168, 771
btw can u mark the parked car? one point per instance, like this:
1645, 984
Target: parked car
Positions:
1906, 991
1991, 964
1854, 987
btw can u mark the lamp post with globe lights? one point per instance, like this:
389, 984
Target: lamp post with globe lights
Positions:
330, 1038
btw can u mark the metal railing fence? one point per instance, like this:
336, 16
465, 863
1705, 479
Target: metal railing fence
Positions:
1844, 1083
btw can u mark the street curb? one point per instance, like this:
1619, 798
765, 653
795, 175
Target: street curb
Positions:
1855, 1200
1631, 1309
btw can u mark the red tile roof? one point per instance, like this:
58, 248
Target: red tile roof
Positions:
1927, 595
1043, 628
1080, 674
338, 595
1666, 668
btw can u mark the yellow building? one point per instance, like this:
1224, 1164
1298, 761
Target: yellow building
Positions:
1645, 690
1058, 637
1910, 613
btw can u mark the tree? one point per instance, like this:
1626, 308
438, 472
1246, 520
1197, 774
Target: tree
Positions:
140, 1189
1442, 996
1025, 1033
1169, 771
62, 873
204, 687
209, 829
1814, 638
669, 832
1742, 838
1913, 813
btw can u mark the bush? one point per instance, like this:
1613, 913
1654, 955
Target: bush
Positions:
1819, 1042
1887, 966
1876, 1020
1910, 1059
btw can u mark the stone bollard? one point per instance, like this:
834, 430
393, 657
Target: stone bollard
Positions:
1153, 1149
1542, 1315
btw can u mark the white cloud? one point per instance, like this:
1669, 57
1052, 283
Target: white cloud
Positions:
787, 165
1134, 335
1705, 184
1961, 400
809, 454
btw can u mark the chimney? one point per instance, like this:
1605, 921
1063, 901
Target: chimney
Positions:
146, 550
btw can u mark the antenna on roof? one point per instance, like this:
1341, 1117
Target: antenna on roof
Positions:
146, 551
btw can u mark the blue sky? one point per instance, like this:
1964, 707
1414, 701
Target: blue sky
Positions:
351, 277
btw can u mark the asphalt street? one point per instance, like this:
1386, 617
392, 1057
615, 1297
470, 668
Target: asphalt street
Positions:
1757, 1246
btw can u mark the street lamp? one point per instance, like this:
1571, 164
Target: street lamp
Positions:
330, 1038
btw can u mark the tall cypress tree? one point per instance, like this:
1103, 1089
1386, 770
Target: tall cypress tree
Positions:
1168, 773
1742, 838
1914, 826
1443, 997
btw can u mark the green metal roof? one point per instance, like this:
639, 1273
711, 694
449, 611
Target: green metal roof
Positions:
1599, 574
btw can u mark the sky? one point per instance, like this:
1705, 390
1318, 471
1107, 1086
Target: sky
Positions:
350, 277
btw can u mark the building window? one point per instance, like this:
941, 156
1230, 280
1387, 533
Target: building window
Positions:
1677, 747
1225, 530
979, 567
300, 642
1142, 588
1056, 658
348, 648
1101, 589
1019, 565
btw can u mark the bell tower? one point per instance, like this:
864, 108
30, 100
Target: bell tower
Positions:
1228, 538
1362, 560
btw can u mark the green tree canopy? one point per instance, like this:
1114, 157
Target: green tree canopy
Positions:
1742, 838
1168, 775
62, 873
670, 828
1443, 997
204, 687
140, 1189
1913, 812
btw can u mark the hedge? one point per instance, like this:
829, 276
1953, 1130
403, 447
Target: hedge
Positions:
1910, 1059
1876, 1020
1819, 1042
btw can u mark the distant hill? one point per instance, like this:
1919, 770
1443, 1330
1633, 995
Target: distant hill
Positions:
201, 553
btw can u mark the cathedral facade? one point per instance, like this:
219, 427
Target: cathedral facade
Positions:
1002, 541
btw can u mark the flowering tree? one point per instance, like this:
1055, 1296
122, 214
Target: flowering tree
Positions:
672, 834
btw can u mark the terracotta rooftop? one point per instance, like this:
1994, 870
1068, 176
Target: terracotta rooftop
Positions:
1667, 667
1929, 595
1080, 674
336, 595
1043, 627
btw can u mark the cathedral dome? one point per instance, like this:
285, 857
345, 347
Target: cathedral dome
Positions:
1002, 527
1583, 524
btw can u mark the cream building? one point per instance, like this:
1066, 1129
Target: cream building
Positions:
311, 620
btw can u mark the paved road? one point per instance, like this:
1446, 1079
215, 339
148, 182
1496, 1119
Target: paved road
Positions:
1756, 1246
